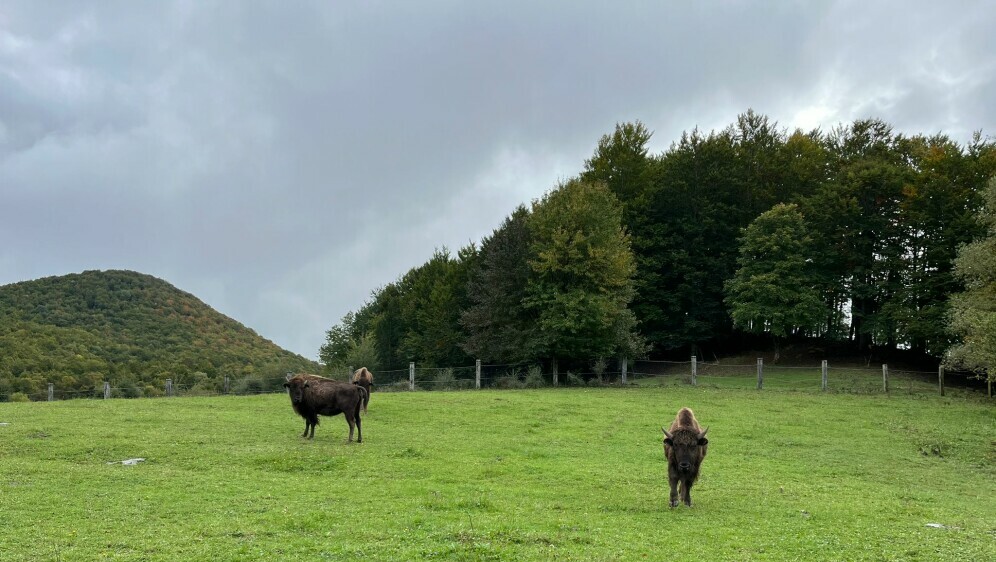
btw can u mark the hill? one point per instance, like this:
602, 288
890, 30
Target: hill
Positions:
133, 330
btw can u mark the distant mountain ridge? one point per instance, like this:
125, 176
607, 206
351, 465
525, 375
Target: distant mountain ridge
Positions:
130, 329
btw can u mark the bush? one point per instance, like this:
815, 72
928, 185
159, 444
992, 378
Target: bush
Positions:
444, 380
534, 378
574, 380
248, 386
19, 397
397, 386
510, 380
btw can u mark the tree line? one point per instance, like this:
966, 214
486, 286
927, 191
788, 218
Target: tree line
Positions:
751, 234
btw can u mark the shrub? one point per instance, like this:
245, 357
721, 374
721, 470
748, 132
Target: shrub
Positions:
19, 397
534, 378
510, 380
573, 380
444, 380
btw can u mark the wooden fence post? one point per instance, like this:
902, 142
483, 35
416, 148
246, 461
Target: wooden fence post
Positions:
695, 370
477, 375
349, 373
940, 378
107, 390
169, 387
824, 374
51, 392
227, 386
760, 373
555, 373
885, 377
411, 376
625, 364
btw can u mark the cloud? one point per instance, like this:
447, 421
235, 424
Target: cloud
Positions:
280, 162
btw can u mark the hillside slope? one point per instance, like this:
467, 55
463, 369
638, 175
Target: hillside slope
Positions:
130, 329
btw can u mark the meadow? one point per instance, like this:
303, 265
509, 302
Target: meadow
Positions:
545, 474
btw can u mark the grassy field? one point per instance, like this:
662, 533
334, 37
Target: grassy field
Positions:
565, 474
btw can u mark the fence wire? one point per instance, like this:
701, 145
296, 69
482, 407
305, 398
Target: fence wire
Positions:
766, 377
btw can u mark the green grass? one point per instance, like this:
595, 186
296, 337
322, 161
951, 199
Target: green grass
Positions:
565, 474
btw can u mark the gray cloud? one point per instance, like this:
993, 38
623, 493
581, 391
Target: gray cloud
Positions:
282, 161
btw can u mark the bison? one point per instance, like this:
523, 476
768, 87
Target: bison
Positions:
363, 377
312, 395
685, 446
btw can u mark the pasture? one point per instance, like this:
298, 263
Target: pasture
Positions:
548, 474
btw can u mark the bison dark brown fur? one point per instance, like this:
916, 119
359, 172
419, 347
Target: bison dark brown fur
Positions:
363, 377
312, 395
685, 446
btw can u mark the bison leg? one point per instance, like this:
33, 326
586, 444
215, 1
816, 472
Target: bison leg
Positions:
307, 425
673, 480
359, 430
352, 424
686, 492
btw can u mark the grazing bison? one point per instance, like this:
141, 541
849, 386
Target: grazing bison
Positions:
685, 446
312, 396
363, 377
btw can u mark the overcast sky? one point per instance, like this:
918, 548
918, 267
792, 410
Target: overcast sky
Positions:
281, 160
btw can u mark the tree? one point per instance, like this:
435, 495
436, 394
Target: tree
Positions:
339, 341
774, 291
583, 269
973, 312
497, 325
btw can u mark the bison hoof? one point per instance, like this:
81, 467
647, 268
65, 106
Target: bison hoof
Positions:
674, 503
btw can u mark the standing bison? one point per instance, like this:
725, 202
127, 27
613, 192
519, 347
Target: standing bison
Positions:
685, 446
312, 396
363, 377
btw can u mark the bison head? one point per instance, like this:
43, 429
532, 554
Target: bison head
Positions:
685, 448
296, 388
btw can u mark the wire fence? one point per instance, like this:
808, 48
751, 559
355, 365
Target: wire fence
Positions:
617, 372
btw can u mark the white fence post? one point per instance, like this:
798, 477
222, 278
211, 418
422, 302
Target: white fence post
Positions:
411, 376
824, 374
760, 373
227, 385
169, 387
477, 374
695, 370
940, 378
555, 373
885, 377
625, 364
51, 392
107, 390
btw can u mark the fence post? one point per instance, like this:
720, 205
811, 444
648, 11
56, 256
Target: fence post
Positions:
169, 387
477, 375
824, 374
349, 373
885, 377
940, 378
411, 376
989, 383
51, 392
695, 370
107, 390
226, 385
625, 365
555, 373
760, 373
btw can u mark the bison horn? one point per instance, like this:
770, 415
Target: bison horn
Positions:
704, 431
666, 433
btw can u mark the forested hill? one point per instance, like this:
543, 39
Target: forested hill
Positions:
133, 330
